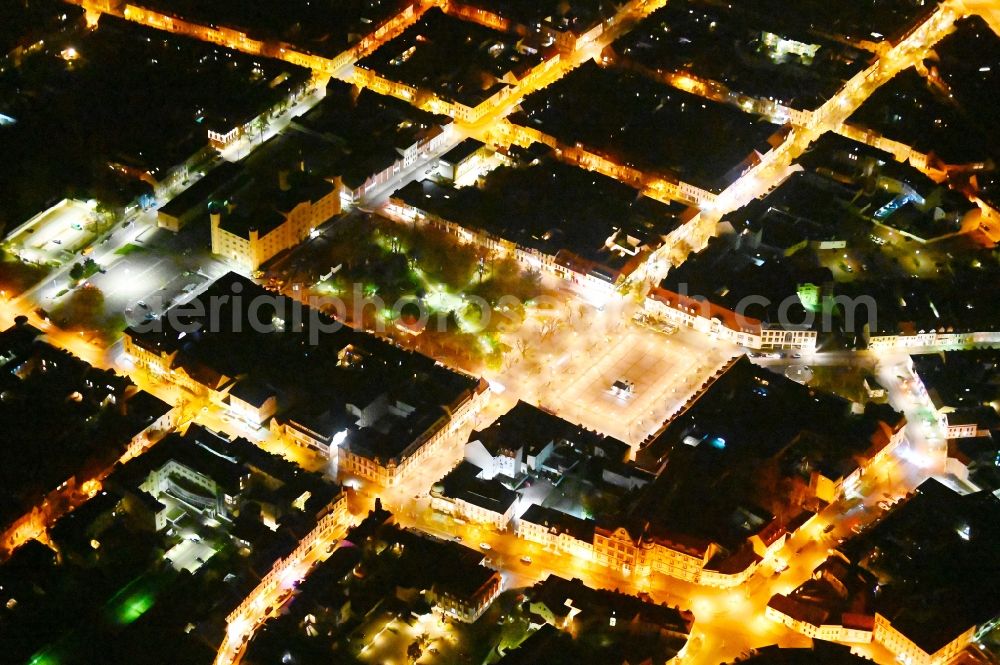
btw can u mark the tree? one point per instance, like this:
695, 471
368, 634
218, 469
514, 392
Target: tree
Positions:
106, 216
81, 270
260, 124
549, 327
534, 278
84, 310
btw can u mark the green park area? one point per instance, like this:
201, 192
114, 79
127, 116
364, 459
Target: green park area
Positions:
423, 288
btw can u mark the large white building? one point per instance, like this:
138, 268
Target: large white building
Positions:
465, 494
249, 236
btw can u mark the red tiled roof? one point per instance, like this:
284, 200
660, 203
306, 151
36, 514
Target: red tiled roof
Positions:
708, 309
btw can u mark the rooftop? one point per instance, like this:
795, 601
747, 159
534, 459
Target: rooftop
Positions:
961, 379
63, 418
750, 426
560, 522
463, 483
963, 303
462, 151
25, 23
199, 193
532, 428
831, 225
838, 593
847, 184
728, 44
72, 529
148, 128
821, 651
968, 68
340, 372
912, 110
262, 205
228, 463
459, 61
601, 646
253, 392
733, 274
596, 606
577, 17
446, 566
639, 122
935, 558
314, 27
552, 208
361, 132
855, 20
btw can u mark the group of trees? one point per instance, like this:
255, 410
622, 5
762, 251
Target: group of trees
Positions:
84, 311
82, 270
394, 262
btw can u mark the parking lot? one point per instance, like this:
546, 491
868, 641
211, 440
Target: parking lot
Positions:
55, 235
189, 554
141, 263
145, 289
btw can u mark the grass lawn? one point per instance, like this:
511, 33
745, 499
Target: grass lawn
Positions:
129, 249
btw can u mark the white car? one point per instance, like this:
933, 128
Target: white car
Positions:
485, 547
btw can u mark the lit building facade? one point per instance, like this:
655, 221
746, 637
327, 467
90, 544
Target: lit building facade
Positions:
250, 242
723, 324
391, 471
909, 653
467, 608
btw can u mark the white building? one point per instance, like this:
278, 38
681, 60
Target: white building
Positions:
250, 237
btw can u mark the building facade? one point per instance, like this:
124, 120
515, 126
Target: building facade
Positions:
721, 323
394, 470
250, 243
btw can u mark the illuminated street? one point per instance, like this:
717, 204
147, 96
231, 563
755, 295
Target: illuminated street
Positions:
249, 504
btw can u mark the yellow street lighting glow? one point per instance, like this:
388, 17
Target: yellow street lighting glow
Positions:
238, 628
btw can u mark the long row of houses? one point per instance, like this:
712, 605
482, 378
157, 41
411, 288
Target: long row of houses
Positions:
376, 411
